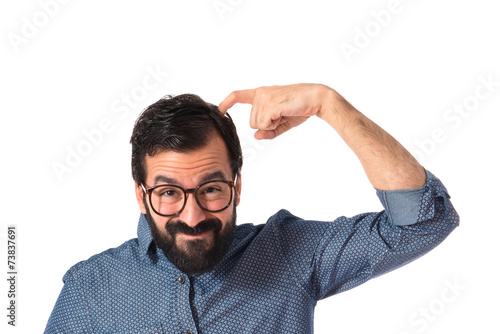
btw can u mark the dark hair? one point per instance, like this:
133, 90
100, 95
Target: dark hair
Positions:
181, 124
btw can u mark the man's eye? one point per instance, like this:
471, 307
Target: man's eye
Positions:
169, 193
211, 190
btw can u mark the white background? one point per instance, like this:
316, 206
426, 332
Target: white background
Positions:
70, 71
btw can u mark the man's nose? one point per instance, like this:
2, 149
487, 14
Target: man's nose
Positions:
192, 214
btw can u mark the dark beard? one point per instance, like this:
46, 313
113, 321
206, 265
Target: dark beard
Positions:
197, 256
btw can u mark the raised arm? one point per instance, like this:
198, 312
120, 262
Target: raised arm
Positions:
276, 109
417, 215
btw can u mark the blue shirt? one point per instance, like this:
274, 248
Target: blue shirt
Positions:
268, 282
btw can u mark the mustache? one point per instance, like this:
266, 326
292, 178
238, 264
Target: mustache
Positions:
178, 226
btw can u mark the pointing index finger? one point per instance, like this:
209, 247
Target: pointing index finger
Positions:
238, 96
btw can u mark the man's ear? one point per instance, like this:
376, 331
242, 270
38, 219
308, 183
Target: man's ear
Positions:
238, 190
139, 194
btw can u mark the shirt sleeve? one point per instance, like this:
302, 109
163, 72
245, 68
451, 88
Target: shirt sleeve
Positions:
332, 257
70, 314
403, 206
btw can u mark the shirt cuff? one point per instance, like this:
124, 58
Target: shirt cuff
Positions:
403, 206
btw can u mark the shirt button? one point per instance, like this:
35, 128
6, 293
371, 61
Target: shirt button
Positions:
182, 280
189, 332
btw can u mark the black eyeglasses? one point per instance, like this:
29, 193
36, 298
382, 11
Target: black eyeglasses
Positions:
168, 200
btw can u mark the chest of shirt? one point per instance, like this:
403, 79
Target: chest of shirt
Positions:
248, 292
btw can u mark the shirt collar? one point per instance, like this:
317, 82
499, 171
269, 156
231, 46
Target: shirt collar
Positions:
146, 245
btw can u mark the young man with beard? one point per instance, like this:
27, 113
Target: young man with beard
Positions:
192, 270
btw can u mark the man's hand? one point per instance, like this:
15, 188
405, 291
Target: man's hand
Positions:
277, 109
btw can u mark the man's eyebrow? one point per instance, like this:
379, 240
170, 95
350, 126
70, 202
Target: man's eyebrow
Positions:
160, 179
217, 175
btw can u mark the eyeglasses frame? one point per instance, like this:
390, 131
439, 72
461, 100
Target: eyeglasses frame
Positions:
150, 190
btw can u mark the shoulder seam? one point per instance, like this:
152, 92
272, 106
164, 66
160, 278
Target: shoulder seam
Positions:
291, 272
82, 291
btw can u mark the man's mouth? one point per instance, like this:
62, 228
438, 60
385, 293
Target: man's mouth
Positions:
196, 235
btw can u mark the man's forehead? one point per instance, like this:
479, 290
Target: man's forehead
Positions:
207, 162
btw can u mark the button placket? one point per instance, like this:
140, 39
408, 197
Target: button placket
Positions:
183, 309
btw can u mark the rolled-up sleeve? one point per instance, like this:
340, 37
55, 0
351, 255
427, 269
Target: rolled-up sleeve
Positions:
332, 257
357, 249
408, 206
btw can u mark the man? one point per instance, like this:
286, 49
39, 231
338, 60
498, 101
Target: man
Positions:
192, 270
